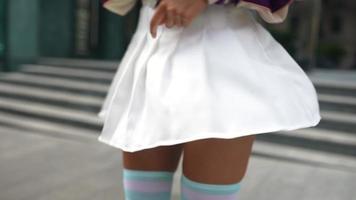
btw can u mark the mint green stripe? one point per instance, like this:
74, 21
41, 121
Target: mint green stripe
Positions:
134, 195
211, 188
147, 175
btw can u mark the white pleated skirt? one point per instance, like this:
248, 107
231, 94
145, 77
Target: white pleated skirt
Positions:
224, 76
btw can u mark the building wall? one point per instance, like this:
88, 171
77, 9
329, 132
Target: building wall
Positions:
2, 33
339, 30
335, 43
22, 27
83, 28
56, 27
65, 28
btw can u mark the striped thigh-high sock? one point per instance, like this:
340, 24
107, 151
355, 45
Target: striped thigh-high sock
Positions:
192, 190
147, 185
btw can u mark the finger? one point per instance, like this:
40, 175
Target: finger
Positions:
170, 20
157, 19
157, 3
185, 22
179, 20
163, 21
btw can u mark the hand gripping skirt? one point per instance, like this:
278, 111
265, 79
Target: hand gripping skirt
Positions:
223, 76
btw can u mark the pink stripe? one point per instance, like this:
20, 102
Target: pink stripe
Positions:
147, 186
201, 196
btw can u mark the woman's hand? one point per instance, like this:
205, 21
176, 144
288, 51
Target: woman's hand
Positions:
176, 12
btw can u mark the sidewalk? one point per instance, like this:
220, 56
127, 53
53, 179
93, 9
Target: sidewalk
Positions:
40, 167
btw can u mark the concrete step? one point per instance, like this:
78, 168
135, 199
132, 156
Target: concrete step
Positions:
78, 138
303, 155
335, 87
58, 84
348, 75
65, 99
101, 65
325, 135
316, 139
69, 73
46, 127
339, 121
337, 103
52, 113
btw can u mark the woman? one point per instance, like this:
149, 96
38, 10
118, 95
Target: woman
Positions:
202, 85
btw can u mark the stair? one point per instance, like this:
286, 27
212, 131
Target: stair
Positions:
58, 97
61, 97
68, 73
334, 137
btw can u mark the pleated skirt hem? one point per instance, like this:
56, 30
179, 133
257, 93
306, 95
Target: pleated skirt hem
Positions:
205, 135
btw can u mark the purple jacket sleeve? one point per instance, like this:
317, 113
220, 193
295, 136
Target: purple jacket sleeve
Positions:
273, 5
224, 1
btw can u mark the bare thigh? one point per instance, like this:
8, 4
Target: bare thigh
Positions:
217, 161
161, 158
212, 160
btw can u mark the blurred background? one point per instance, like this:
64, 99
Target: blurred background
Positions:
57, 60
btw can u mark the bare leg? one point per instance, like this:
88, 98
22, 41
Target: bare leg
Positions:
138, 179
162, 158
217, 161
